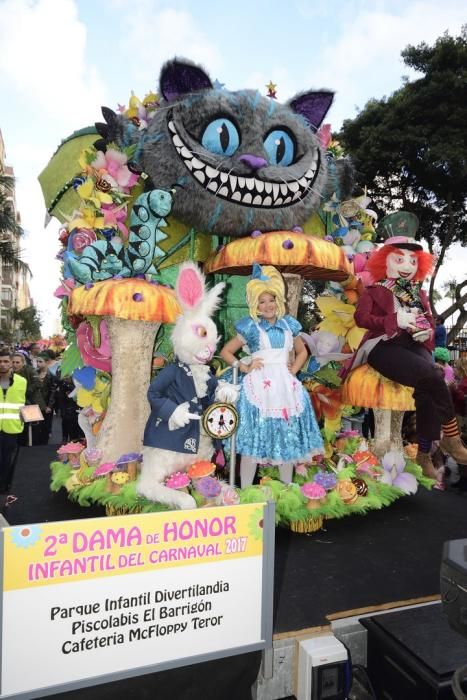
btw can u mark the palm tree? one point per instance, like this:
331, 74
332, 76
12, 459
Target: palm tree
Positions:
10, 230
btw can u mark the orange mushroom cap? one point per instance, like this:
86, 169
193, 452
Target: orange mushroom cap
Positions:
368, 388
309, 256
202, 468
133, 299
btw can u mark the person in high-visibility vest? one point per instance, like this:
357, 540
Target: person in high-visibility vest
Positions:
12, 399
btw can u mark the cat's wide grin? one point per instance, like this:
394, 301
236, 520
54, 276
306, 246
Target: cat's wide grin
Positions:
246, 191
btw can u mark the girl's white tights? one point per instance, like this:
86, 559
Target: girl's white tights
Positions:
248, 469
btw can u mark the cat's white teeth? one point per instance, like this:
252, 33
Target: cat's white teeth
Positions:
199, 175
211, 172
249, 191
259, 185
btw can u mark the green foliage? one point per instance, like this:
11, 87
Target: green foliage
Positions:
409, 149
71, 360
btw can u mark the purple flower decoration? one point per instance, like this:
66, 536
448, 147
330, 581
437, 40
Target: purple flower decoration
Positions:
329, 238
88, 285
137, 296
325, 479
297, 229
156, 282
256, 234
288, 244
208, 486
394, 475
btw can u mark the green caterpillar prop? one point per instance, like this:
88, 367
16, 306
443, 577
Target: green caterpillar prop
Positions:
105, 259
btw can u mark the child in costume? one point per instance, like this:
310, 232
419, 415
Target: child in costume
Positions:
400, 338
277, 423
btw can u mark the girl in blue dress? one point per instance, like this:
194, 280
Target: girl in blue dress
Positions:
277, 424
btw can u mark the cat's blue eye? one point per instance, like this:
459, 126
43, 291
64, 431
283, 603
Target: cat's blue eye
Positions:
280, 147
221, 137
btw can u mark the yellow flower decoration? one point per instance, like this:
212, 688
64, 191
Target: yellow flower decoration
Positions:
96, 398
339, 320
255, 524
90, 193
87, 218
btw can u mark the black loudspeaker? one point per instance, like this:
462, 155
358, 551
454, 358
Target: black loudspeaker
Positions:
413, 654
454, 584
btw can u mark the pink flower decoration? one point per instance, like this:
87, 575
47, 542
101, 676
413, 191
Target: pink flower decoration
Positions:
65, 288
324, 135
82, 237
301, 470
112, 167
229, 496
116, 217
101, 357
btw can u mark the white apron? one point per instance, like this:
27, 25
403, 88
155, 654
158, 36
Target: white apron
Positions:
273, 389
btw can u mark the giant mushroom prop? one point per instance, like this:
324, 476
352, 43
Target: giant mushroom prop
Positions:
297, 256
366, 387
134, 310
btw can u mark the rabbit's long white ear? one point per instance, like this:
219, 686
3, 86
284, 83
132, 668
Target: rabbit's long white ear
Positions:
212, 300
190, 286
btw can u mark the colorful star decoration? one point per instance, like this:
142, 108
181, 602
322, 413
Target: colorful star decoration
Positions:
272, 87
217, 85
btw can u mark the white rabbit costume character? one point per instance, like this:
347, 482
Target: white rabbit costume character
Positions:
174, 437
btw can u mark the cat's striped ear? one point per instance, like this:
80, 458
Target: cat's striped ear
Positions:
313, 106
181, 77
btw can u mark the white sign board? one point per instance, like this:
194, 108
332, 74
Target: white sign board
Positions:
90, 601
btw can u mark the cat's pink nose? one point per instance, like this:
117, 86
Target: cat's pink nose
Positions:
254, 162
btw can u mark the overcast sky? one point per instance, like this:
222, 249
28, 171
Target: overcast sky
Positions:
60, 60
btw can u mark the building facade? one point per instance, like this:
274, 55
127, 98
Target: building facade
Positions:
14, 279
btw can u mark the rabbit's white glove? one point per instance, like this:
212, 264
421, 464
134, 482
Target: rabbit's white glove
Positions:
180, 416
406, 318
422, 336
226, 392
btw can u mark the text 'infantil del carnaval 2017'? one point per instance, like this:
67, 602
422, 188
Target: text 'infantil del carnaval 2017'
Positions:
149, 615
104, 550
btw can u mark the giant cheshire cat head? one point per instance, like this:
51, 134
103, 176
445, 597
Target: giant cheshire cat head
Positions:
241, 161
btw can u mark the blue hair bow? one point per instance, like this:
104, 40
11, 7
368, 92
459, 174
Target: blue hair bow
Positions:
257, 273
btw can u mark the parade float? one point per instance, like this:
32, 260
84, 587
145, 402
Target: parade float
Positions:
222, 179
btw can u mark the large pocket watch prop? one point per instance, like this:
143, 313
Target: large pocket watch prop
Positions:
220, 420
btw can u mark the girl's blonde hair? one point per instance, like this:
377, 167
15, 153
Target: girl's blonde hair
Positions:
274, 285
461, 366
